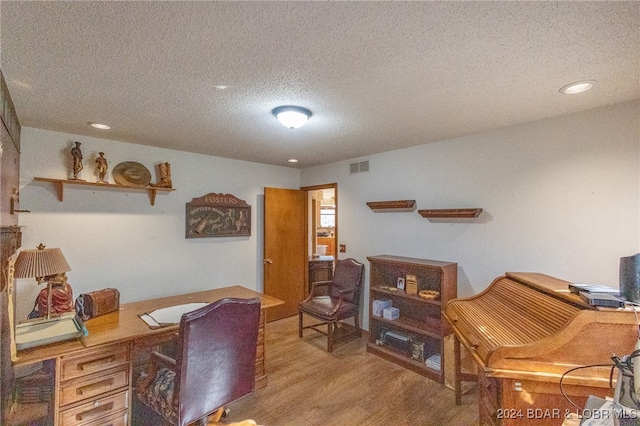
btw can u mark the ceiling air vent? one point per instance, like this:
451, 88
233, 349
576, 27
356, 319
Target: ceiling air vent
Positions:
360, 167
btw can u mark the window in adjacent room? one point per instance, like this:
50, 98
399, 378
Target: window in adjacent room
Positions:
327, 217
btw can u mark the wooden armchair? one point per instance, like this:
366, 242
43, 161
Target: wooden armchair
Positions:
333, 301
214, 365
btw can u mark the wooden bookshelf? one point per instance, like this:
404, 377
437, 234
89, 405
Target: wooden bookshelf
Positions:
420, 319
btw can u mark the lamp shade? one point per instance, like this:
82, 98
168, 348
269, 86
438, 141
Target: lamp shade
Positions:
291, 116
40, 262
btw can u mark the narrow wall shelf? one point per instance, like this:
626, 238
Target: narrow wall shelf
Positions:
60, 183
450, 213
392, 206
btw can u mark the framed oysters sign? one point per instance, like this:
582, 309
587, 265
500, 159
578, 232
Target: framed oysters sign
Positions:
218, 215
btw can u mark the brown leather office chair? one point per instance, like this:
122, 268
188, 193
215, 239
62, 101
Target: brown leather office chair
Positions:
333, 301
214, 365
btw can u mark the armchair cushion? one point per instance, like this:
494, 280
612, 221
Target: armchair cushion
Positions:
328, 308
159, 395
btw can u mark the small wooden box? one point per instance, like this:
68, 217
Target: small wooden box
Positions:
96, 303
411, 284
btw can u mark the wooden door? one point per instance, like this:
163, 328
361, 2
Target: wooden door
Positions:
285, 249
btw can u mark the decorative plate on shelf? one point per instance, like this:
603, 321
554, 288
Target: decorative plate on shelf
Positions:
429, 294
131, 173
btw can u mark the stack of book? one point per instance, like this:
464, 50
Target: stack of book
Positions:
433, 362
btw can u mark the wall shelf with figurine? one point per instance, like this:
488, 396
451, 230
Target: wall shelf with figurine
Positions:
60, 183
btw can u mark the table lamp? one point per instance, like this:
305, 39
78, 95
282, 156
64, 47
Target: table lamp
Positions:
41, 263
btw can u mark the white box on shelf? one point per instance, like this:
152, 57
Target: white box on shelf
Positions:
391, 313
380, 305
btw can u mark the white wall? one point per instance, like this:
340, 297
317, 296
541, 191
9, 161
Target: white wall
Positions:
560, 196
117, 239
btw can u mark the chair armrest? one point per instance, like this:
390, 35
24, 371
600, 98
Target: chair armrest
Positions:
321, 284
157, 360
346, 291
341, 295
165, 361
314, 286
349, 291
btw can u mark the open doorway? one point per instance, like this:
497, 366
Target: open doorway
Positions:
290, 242
322, 231
323, 219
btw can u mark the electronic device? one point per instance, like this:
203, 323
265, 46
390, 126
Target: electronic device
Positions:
396, 340
602, 299
593, 288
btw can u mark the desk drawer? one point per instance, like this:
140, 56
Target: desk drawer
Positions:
117, 419
89, 387
92, 362
100, 411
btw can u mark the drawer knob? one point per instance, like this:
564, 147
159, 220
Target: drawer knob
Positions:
96, 403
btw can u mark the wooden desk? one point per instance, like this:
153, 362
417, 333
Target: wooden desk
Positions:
95, 375
524, 335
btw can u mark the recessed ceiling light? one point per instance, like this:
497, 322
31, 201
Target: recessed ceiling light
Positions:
578, 87
100, 126
292, 160
221, 87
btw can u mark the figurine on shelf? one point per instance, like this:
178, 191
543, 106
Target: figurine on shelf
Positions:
102, 168
165, 176
76, 153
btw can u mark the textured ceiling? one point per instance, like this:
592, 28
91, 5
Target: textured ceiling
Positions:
377, 76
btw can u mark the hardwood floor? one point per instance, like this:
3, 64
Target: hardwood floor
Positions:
307, 386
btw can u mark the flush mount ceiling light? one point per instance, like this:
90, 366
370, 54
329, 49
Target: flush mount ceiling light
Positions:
577, 87
100, 126
291, 116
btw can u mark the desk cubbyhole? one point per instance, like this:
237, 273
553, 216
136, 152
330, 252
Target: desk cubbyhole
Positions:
33, 396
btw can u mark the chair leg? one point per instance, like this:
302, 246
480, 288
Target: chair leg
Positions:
300, 324
330, 336
357, 324
217, 415
457, 381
